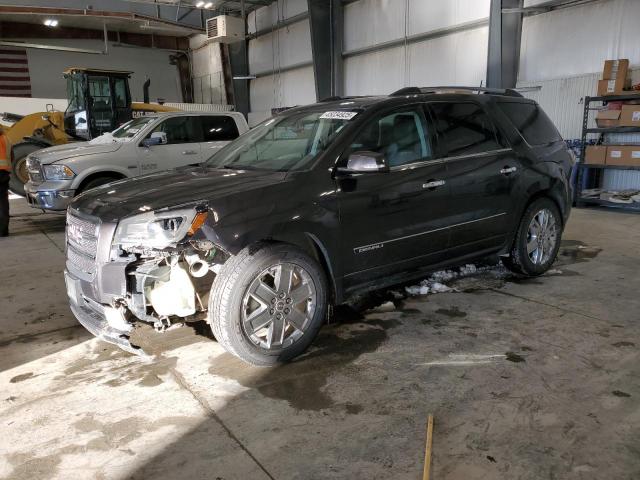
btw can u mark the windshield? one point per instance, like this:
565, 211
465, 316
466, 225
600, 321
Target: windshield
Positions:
284, 143
75, 93
131, 128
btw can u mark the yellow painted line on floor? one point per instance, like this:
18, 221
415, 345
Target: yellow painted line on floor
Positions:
427, 452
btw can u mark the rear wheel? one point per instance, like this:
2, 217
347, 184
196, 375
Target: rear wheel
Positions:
267, 304
538, 239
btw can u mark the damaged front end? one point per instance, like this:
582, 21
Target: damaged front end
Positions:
156, 267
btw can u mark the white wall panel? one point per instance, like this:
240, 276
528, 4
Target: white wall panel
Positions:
25, 106
378, 73
369, 22
288, 46
456, 59
207, 71
266, 17
577, 40
288, 89
427, 15
46, 67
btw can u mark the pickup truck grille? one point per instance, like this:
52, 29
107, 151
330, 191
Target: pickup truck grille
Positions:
82, 243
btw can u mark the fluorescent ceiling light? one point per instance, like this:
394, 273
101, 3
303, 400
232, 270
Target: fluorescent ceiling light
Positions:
199, 4
208, 5
50, 22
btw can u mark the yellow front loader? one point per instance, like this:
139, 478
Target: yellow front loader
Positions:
98, 101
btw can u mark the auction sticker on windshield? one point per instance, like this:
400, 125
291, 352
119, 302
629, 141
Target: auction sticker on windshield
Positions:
339, 115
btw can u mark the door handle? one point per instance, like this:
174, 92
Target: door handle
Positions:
508, 170
432, 184
189, 152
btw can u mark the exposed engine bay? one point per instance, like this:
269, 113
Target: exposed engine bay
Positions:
165, 284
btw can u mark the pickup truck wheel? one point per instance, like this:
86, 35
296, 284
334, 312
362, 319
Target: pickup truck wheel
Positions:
268, 303
538, 239
96, 182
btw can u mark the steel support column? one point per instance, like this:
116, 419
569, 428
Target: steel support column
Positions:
505, 29
240, 69
326, 23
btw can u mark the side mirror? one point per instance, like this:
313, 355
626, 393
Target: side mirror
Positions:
365, 162
156, 138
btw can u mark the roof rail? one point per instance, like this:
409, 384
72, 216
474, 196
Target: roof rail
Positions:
423, 90
331, 99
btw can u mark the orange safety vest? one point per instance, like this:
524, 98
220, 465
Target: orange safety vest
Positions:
5, 162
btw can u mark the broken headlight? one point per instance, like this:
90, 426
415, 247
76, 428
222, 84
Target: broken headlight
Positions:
158, 229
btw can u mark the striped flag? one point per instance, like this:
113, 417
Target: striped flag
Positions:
14, 73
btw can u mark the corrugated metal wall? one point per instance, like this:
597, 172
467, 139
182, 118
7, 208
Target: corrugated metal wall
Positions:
458, 58
282, 48
576, 40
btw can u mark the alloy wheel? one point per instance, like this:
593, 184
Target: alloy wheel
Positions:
278, 306
542, 236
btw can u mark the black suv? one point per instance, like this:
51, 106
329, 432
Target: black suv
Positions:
315, 206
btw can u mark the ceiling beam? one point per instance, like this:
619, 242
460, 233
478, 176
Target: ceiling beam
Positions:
16, 30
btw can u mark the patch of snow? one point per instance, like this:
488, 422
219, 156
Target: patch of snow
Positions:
436, 283
554, 271
437, 287
107, 138
422, 289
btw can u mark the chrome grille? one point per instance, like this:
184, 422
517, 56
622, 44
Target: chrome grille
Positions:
82, 243
81, 262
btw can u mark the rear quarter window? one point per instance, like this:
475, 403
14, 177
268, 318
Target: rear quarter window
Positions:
531, 121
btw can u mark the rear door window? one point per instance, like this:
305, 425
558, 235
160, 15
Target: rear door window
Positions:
464, 128
219, 128
531, 121
181, 129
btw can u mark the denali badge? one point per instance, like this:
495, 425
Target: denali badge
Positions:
368, 248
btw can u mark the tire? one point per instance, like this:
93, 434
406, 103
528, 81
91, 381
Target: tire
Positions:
19, 166
96, 182
533, 254
231, 303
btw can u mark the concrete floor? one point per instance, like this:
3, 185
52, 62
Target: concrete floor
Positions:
526, 379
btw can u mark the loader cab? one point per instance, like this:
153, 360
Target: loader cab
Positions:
99, 101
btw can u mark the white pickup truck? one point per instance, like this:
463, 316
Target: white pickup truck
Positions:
143, 145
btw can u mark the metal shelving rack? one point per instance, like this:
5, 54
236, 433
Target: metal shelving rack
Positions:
586, 170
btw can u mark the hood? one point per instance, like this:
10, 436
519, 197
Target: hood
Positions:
74, 149
172, 188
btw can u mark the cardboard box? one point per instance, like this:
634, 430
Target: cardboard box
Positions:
612, 87
595, 154
615, 69
630, 116
608, 118
626, 155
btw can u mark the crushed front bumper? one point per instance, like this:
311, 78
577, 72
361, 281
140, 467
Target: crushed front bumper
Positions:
92, 315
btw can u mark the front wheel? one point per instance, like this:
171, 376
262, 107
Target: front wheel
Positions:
268, 303
19, 174
538, 239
